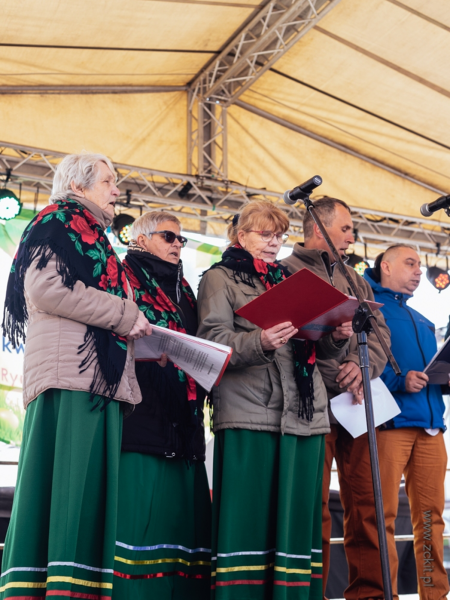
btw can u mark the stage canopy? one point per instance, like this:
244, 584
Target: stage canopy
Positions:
362, 97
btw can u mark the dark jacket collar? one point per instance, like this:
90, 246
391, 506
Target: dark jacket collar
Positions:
314, 256
159, 268
168, 275
369, 275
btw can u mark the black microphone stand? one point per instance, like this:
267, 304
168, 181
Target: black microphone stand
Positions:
364, 322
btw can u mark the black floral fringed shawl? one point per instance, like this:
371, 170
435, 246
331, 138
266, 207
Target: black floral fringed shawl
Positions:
83, 253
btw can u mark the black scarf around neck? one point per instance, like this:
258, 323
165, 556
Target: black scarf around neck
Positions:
245, 268
146, 272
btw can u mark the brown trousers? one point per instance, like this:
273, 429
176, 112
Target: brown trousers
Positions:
423, 460
360, 529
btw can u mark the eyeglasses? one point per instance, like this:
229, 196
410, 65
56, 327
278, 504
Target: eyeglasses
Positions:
267, 236
170, 237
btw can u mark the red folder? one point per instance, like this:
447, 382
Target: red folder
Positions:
311, 304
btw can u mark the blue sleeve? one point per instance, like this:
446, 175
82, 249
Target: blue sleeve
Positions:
394, 383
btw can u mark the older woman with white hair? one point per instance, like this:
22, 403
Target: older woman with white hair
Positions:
164, 517
69, 289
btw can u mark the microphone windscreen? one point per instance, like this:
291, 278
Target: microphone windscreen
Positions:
424, 211
287, 199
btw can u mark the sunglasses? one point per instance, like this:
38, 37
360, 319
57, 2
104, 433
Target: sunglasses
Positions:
170, 237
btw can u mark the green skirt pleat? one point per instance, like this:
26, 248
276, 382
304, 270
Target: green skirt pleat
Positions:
267, 516
61, 538
163, 548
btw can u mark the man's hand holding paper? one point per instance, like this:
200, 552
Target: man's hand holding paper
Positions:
415, 381
353, 417
350, 379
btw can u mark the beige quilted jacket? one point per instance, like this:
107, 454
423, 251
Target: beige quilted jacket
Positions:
57, 323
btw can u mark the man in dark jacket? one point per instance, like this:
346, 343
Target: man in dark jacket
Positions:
352, 455
413, 442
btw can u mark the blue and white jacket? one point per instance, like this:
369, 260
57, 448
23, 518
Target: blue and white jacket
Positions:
413, 344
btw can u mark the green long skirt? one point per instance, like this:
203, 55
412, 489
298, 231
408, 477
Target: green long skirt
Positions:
267, 516
163, 548
60, 541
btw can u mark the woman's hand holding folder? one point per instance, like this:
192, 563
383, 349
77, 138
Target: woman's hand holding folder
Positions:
277, 336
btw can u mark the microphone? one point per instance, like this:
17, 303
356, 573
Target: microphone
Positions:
428, 209
302, 191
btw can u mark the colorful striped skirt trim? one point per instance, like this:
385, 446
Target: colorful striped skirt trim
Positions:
61, 579
267, 566
163, 560
267, 516
164, 530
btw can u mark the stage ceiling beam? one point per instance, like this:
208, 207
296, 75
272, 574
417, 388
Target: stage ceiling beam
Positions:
89, 89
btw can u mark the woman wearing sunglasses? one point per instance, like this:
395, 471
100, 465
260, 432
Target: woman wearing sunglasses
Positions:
163, 540
270, 417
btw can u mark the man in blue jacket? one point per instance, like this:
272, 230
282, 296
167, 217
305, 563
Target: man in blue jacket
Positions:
412, 443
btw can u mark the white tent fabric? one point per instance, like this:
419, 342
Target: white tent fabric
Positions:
372, 76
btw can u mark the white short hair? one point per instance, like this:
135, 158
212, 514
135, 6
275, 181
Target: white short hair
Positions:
149, 220
79, 168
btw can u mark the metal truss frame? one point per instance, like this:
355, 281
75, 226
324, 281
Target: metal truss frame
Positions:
89, 89
207, 138
209, 200
276, 27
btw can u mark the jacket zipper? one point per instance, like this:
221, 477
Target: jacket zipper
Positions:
178, 293
180, 309
423, 356
330, 277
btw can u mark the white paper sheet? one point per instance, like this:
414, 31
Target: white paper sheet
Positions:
353, 416
201, 359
